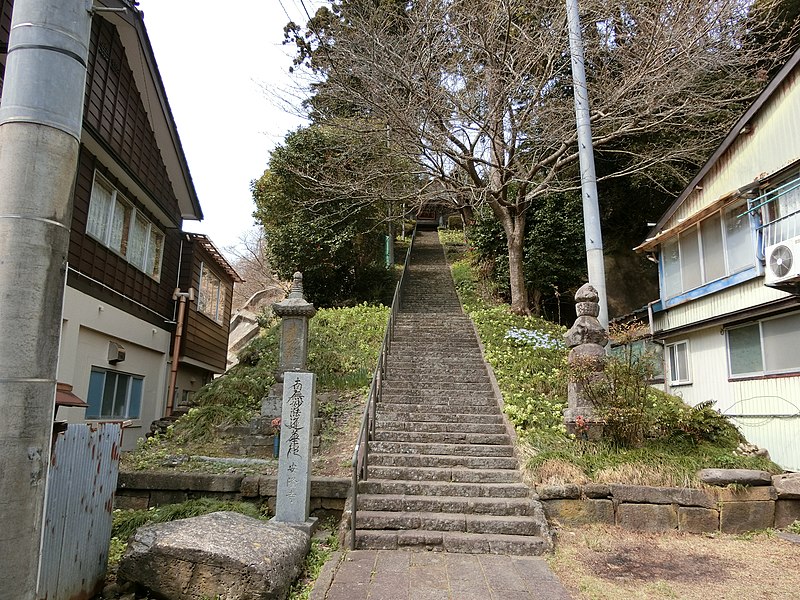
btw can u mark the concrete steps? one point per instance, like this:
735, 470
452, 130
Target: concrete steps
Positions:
441, 466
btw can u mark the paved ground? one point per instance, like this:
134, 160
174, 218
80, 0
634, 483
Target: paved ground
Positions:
403, 575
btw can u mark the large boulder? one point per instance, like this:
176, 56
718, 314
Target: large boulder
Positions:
221, 554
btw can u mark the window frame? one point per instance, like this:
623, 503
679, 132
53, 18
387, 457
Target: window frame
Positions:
765, 371
671, 372
129, 401
217, 314
696, 229
153, 252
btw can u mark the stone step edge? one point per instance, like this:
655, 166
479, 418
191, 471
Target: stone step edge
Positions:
453, 541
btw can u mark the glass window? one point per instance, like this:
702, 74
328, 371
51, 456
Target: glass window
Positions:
765, 347
678, 354
99, 210
114, 395
781, 343
738, 240
671, 261
211, 296
713, 250
118, 225
744, 350
692, 275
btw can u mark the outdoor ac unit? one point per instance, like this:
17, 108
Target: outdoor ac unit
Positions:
783, 261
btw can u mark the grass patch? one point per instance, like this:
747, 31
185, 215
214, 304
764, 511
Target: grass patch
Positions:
343, 349
670, 441
321, 550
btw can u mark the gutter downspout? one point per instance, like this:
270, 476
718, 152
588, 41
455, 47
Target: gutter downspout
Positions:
176, 348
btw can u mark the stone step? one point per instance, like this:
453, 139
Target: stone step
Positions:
454, 449
442, 461
423, 398
422, 415
415, 361
430, 387
439, 521
451, 541
440, 488
426, 437
434, 376
458, 474
449, 504
439, 427
388, 406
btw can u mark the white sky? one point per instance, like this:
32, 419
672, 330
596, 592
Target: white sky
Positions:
215, 59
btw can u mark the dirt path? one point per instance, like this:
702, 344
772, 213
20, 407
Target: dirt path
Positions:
608, 563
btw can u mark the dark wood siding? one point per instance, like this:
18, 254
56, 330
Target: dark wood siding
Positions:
95, 261
5, 29
115, 112
204, 339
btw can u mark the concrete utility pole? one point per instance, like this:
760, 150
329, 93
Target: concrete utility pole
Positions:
591, 209
40, 126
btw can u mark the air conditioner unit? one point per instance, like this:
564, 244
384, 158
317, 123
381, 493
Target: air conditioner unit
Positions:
782, 261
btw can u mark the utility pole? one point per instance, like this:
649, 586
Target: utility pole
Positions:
41, 114
591, 209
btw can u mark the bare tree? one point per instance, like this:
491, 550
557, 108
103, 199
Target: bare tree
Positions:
477, 93
250, 260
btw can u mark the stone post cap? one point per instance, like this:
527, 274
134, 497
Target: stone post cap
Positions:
587, 293
295, 304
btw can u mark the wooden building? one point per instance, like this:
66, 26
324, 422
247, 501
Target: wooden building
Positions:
729, 261
127, 252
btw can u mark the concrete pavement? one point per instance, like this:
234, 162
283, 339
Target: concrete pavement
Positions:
405, 575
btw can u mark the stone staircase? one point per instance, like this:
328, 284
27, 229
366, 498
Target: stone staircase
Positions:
442, 471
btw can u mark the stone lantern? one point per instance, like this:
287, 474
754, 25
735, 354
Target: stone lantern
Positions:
587, 339
295, 313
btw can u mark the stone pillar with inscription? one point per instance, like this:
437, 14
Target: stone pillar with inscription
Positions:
587, 339
294, 460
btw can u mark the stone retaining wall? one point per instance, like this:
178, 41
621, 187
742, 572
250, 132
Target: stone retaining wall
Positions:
141, 490
641, 508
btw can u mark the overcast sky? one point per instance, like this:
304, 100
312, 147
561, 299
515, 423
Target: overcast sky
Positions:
215, 60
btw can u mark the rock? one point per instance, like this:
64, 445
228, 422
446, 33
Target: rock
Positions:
638, 494
740, 476
787, 485
745, 449
558, 492
222, 553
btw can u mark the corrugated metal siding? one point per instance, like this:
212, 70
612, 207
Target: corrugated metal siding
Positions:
766, 410
773, 145
81, 482
743, 296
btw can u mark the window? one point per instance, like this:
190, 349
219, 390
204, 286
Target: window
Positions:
678, 357
720, 245
115, 223
211, 296
114, 395
765, 347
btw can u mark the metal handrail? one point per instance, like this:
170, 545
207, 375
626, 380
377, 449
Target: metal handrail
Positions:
367, 430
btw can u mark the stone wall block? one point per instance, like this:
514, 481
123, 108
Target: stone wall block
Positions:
573, 513
647, 517
741, 517
786, 513
692, 519
787, 486
558, 492
664, 495
748, 494
596, 490
249, 487
740, 476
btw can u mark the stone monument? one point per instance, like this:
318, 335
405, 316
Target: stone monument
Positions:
295, 312
294, 460
587, 339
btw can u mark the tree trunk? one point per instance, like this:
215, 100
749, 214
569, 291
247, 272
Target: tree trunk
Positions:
516, 254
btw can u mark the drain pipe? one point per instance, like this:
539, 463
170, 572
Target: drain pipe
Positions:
41, 114
181, 297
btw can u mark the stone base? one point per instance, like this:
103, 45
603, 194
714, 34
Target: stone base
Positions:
308, 527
